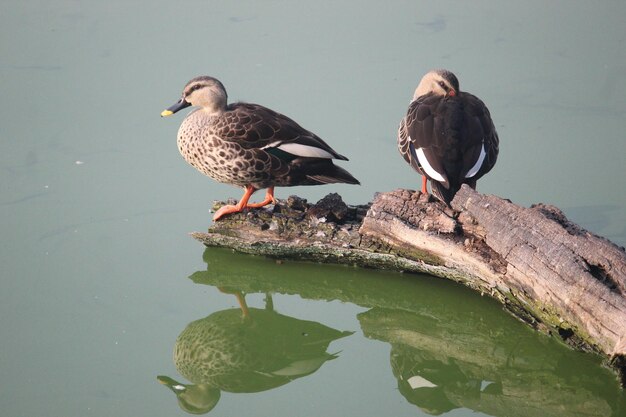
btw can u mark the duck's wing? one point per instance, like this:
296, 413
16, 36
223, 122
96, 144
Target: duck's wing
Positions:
480, 137
256, 127
422, 138
404, 143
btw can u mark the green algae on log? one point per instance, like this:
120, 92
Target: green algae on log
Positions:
547, 271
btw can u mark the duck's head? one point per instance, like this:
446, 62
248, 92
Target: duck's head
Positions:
440, 82
194, 399
205, 92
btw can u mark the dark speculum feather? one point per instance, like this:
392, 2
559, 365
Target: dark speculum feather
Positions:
280, 154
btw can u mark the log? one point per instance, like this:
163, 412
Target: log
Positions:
544, 269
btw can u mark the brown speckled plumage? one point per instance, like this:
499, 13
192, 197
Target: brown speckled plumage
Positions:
249, 145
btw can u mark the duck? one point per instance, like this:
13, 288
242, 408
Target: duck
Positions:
447, 135
250, 146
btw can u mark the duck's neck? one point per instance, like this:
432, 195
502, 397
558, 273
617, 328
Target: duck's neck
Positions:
213, 110
421, 90
213, 105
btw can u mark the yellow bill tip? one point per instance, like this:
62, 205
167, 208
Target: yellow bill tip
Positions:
166, 113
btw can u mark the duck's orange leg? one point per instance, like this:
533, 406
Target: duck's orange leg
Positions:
424, 181
242, 304
243, 203
241, 299
269, 199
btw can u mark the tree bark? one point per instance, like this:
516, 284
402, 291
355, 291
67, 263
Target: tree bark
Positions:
544, 269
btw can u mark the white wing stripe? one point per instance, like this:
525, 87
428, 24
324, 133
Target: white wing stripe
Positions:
305, 150
478, 163
428, 169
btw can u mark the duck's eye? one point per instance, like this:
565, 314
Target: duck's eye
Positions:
442, 85
192, 89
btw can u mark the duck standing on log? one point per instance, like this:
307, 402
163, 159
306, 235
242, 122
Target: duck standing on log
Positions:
447, 135
250, 146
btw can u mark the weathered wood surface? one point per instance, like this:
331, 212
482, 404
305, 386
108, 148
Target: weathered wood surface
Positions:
546, 270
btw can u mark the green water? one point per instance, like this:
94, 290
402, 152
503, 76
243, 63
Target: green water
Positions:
397, 343
99, 277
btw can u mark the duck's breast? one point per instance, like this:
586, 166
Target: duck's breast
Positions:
204, 145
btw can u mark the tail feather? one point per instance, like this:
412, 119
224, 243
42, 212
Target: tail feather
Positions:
311, 171
336, 175
442, 193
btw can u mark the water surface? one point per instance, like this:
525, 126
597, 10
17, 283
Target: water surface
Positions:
96, 203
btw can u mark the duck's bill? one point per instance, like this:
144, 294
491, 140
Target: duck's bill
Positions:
180, 104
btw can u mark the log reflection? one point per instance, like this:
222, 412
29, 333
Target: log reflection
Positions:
447, 350
445, 362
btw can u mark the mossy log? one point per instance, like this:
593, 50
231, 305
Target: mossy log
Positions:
546, 270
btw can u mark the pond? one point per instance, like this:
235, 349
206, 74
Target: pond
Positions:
109, 307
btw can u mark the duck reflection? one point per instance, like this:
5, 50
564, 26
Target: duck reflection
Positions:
245, 350
448, 350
